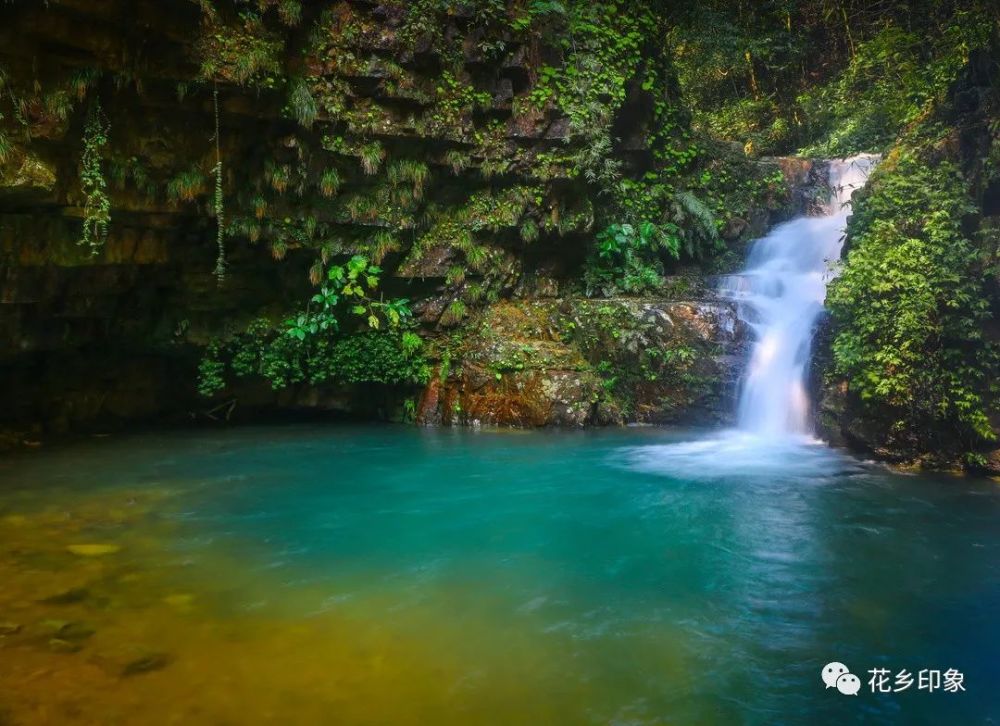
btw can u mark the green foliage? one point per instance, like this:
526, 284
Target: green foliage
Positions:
630, 355
629, 257
387, 358
371, 156
211, 370
186, 186
243, 52
278, 176
536, 10
6, 146
733, 186
602, 46
456, 311
132, 172
454, 100
382, 243
289, 11
301, 103
408, 171
352, 284
97, 204
456, 160
529, 230
310, 346
82, 80
890, 82
329, 183
837, 78
910, 307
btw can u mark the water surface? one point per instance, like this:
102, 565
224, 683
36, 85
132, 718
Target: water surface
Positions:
395, 575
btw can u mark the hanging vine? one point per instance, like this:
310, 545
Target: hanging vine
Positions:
220, 262
97, 205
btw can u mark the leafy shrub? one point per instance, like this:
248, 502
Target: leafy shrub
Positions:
309, 345
629, 258
910, 307
384, 357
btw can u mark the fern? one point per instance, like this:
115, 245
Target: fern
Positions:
701, 221
186, 186
316, 272
382, 244
329, 183
277, 176
529, 230
457, 160
371, 156
409, 171
301, 102
455, 312
259, 203
83, 80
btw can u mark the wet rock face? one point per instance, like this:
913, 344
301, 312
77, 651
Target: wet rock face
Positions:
98, 342
577, 362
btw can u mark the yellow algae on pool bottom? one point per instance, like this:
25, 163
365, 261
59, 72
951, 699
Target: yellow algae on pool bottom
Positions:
453, 656
93, 550
180, 601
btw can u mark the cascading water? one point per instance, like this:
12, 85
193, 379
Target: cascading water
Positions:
781, 294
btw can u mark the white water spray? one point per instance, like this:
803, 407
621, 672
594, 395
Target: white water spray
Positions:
781, 294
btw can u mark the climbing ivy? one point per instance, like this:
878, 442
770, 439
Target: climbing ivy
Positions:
97, 204
220, 262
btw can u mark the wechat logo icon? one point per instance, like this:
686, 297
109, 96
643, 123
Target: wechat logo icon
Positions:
837, 675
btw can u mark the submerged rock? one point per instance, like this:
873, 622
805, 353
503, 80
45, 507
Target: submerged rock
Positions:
69, 630
59, 645
145, 664
66, 597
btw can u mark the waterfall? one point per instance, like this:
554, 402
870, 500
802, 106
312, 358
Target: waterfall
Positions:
781, 294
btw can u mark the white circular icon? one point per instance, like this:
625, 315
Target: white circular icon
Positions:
849, 684
833, 671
